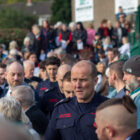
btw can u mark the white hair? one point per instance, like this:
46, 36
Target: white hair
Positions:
27, 63
26, 39
25, 95
72, 24
13, 45
13, 52
10, 108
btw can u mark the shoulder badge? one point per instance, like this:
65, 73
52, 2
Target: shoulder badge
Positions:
62, 101
48, 90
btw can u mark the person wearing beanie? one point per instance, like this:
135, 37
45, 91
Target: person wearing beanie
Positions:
131, 77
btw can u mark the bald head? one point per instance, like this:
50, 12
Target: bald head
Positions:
117, 114
14, 74
86, 64
62, 70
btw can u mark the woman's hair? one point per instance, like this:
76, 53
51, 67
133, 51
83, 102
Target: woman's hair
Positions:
10, 108
81, 25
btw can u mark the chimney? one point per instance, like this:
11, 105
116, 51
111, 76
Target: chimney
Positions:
29, 3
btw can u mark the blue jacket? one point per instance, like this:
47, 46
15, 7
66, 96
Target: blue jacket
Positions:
74, 121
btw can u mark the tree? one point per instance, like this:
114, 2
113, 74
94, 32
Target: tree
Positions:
11, 18
61, 11
15, 1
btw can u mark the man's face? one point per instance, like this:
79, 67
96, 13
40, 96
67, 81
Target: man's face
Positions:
131, 82
83, 83
68, 89
52, 71
100, 130
29, 71
33, 58
110, 55
2, 76
59, 78
15, 75
110, 77
101, 68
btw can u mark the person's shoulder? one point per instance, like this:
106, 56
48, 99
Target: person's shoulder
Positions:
100, 97
35, 78
136, 135
50, 90
63, 101
43, 82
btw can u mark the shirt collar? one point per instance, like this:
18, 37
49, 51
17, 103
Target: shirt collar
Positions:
128, 138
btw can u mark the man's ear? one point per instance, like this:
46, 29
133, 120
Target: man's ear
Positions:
138, 78
5, 75
95, 80
56, 77
114, 76
110, 131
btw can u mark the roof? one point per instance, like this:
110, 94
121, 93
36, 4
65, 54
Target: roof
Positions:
38, 8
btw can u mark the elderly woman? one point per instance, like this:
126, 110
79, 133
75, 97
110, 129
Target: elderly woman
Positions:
27, 47
12, 111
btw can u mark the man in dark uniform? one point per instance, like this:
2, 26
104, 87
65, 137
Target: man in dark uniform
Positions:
54, 95
52, 64
73, 118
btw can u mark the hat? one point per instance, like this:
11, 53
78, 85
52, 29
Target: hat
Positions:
132, 66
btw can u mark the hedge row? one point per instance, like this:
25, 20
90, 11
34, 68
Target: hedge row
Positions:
17, 34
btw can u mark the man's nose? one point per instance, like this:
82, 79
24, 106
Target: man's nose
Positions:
78, 84
124, 77
16, 77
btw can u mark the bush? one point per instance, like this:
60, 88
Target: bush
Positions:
17, 34
14, 25
12, 18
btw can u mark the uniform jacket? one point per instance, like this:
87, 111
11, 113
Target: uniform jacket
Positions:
73, 121
49, 99
45, 85
136, 135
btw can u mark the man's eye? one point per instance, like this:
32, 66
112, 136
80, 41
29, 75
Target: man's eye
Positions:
74, 80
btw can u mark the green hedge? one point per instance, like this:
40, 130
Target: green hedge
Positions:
7, 35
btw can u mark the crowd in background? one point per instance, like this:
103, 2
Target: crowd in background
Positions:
42, 66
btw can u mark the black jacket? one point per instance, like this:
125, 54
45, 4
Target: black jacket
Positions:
38, 119
136, 135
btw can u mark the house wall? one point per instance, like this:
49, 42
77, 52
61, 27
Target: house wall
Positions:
102, 9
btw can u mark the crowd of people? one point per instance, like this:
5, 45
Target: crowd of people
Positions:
71, 83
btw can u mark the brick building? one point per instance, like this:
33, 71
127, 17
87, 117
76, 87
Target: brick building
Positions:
102, 9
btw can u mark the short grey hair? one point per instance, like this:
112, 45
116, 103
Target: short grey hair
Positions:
26, 39
26, 63
10, 108
24, 94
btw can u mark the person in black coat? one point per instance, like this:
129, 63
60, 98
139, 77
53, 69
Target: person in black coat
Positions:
25, 96
36, 40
